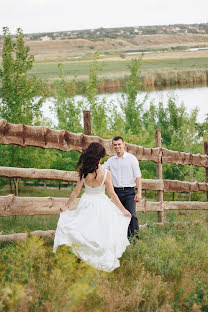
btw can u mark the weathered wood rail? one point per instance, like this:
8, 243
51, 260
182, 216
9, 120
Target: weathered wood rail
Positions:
41, 234
11, 205
72, 176
43, 137
22, 236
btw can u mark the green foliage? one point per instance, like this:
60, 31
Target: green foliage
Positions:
65, 160
68, 111
130, 105
179, 132
178, 128
166, 270
22, 98
19, 93
25, 157
33, 279
98, 107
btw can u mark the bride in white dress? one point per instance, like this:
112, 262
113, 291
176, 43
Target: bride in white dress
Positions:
97, 229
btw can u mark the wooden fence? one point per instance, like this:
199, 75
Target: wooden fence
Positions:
43, 137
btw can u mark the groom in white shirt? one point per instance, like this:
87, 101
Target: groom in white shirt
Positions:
126, 175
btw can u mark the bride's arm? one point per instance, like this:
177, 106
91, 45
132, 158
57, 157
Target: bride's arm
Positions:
73, 195
113, 195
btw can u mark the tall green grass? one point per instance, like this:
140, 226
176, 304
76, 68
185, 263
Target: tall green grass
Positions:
166, 270
119, 68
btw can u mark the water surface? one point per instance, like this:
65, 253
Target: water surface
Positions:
190, 97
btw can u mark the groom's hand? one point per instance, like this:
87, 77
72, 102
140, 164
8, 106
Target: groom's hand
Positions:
138, 197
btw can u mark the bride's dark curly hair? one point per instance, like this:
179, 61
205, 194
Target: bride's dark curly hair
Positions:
89, 159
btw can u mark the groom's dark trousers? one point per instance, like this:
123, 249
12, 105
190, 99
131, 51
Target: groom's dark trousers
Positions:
126, 196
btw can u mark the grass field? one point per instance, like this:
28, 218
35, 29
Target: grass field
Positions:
119, 68
158, 65
165, 271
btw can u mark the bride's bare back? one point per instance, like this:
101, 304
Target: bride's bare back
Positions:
92, 180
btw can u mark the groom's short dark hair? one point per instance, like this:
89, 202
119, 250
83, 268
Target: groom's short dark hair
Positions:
118, 138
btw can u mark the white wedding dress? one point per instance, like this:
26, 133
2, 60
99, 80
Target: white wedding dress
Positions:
96, 230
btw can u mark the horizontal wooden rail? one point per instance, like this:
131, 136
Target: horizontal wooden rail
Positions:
72, 176
184, 186
33, 173
61, 175
181, 158
11, 205
43, 137
22, 236
50, 234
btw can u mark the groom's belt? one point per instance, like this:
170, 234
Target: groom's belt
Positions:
122, 188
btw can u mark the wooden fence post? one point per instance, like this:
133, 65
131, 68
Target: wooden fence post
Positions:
87, 122
206, 152
158, 142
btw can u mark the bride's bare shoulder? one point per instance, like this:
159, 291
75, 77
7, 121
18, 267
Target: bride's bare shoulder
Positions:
100, 172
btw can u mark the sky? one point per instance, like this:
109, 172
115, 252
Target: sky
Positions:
35, 16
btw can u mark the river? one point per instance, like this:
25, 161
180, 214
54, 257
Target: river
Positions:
190, 97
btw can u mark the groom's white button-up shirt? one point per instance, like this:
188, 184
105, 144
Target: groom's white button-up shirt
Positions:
124, 170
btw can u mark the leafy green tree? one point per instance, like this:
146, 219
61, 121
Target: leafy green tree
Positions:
203, 128
162, 122
130, 104
98, 107
179, 133
69, 114
21, 97
67, 109
116, 121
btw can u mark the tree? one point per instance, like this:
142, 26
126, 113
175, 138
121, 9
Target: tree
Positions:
179, 133
130, 105
22, 97
67, 109
98, 107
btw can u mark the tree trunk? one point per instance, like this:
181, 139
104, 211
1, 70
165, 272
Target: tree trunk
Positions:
189, 196
16, 186
10, 185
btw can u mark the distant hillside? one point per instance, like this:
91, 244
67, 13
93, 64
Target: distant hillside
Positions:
69, 49
120, 32
78, 43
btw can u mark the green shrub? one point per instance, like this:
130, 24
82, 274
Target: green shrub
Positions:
34, 279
